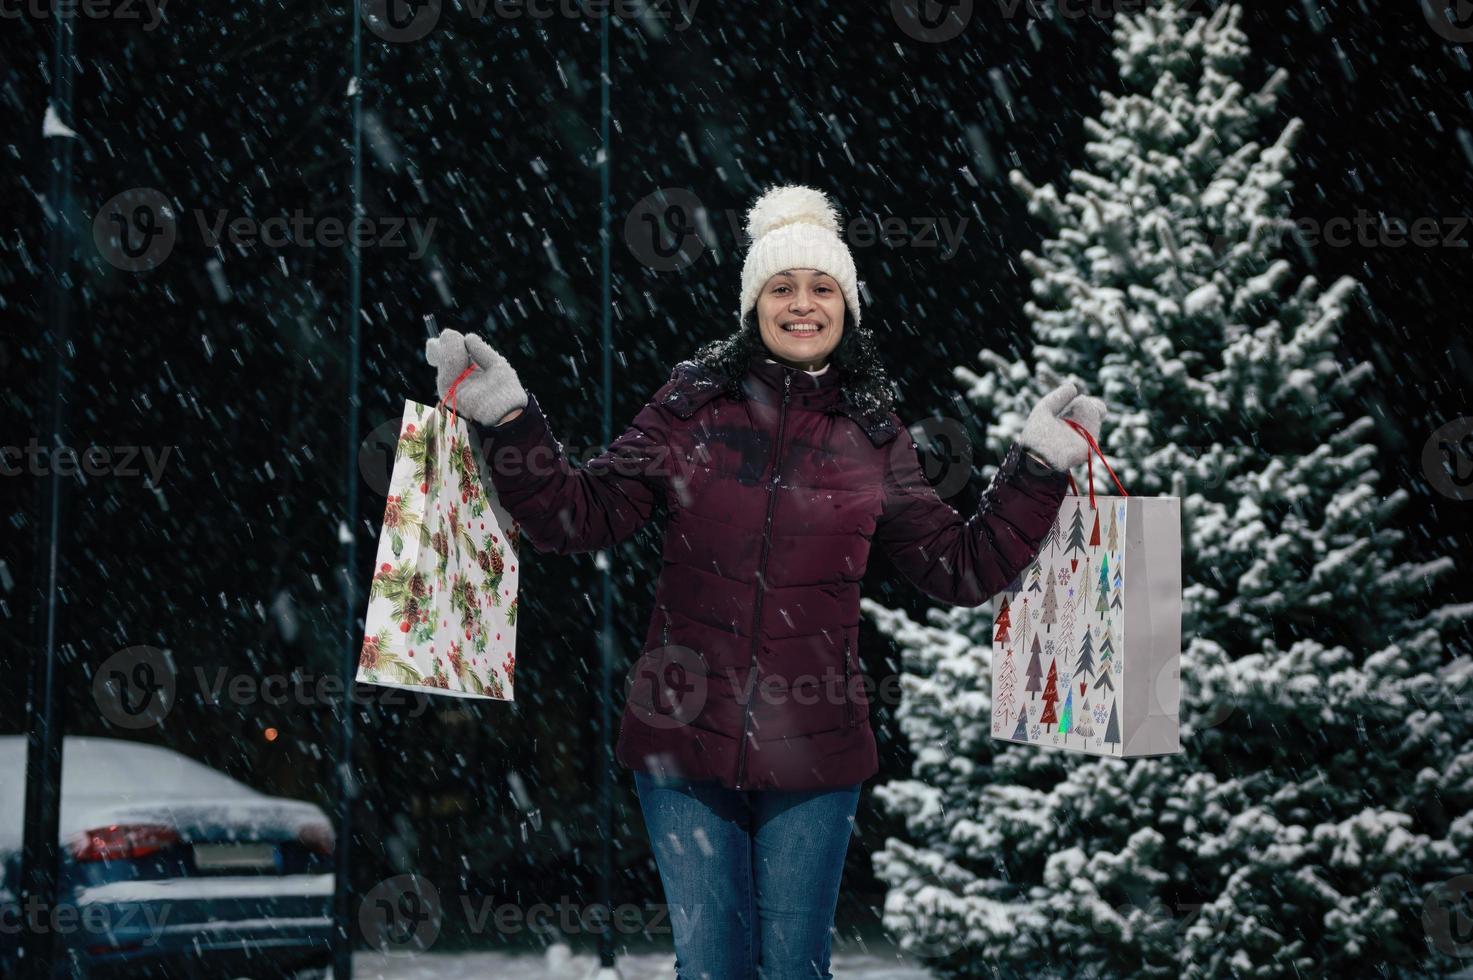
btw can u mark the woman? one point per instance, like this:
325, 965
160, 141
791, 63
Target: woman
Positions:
780, 463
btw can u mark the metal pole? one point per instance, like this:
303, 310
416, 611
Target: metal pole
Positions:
346, 783
606, 662
40, 848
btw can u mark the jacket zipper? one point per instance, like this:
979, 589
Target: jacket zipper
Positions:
777, 459
848, 701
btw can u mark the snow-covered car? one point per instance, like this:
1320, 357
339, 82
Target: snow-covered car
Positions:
170, 868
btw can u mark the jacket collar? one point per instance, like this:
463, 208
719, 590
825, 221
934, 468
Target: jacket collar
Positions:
693, 384
817, 392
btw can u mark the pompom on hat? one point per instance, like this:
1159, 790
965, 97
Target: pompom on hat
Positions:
795, 227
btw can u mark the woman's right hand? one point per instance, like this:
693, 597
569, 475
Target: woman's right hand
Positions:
492, 394
1046, 434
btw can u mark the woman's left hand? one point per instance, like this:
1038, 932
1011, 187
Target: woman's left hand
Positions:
491, 395
1088, 412
1053, 440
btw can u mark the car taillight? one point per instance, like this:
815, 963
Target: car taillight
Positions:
123, 841
317, 837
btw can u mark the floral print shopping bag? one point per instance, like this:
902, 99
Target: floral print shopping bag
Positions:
442, 606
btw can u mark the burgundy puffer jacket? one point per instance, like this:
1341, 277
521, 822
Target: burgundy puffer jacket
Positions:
749, 673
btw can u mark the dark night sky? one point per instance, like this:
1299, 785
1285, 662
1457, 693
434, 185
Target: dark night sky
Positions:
491, 129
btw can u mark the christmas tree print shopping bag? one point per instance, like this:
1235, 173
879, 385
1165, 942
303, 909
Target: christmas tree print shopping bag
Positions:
1086, 645
442, 606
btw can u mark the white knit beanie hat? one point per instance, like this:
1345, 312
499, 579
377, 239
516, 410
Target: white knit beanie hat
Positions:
795, 227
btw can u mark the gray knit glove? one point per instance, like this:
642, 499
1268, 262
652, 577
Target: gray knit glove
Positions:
488, 393
1052, 439
1088, 412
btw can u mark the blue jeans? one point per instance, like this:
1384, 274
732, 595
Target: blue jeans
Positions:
751, 877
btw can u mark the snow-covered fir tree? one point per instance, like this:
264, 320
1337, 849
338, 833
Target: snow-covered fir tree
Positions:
1325, 790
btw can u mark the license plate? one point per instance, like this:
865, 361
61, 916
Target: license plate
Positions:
235, 857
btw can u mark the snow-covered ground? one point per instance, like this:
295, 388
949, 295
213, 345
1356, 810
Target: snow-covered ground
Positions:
560, 963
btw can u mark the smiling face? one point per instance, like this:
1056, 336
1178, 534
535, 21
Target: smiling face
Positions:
800, 315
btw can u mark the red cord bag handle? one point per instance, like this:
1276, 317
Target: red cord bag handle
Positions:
450, 393
1090, 459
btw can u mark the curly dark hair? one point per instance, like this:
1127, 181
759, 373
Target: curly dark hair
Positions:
863, 378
